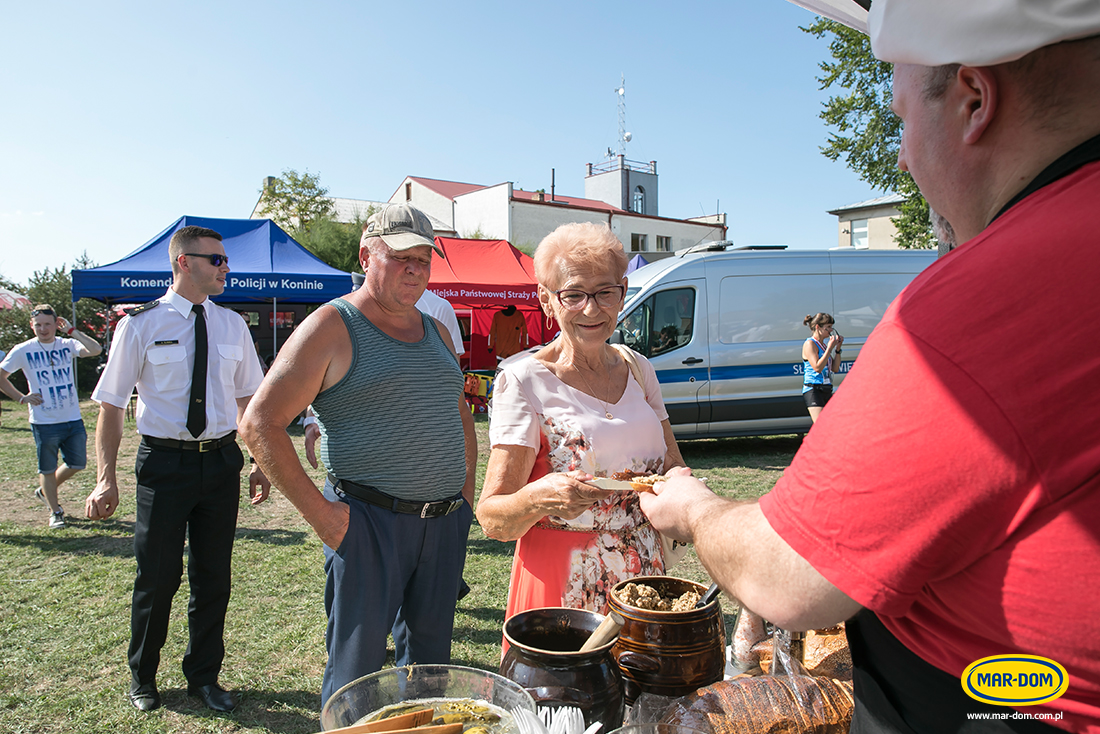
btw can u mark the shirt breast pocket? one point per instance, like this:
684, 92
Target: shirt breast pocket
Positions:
170, 368
231, 356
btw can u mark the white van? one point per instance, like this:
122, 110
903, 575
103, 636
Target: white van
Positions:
722, 325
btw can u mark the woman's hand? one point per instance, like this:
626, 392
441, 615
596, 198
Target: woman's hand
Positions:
565, 495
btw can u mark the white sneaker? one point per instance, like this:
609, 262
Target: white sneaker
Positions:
60, 510
57, 520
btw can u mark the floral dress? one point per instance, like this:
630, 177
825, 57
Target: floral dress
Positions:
575, 563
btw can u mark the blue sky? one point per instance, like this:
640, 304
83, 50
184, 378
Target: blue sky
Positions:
120, 117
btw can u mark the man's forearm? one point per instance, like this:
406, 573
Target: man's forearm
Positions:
748, 559
91, 346
277, 458
108, 436
10, 390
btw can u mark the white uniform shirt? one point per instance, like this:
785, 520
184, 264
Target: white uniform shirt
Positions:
49, 369
441, 309
154, 351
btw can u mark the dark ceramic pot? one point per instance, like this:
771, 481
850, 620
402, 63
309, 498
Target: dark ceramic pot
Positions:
544, 657
668, 653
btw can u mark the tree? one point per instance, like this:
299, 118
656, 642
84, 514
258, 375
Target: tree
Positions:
336, 243
295, 201
868, 133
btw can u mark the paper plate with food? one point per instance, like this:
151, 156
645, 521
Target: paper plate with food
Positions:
626, 479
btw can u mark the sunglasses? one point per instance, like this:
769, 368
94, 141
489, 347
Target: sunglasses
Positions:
215, 260
43, 312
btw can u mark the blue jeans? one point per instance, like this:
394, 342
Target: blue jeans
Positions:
70, 438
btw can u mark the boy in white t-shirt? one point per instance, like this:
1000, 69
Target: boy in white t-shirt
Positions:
47, 362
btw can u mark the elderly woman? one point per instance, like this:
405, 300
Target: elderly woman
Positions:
569, 413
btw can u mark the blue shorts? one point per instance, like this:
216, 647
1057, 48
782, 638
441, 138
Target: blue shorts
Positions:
70, 438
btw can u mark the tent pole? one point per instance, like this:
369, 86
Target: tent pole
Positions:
274, 327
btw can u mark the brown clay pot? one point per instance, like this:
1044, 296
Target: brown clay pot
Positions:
668, 653
544, 657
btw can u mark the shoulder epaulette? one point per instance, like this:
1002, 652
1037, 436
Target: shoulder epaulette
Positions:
142, 308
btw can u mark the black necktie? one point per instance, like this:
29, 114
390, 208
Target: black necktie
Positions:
196, 408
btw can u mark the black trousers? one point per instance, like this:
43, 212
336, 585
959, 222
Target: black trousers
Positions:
897, 692
192, 495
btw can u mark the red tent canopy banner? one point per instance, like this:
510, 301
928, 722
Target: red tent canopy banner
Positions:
480, 277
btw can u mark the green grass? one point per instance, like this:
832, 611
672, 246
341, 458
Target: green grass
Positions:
65, 598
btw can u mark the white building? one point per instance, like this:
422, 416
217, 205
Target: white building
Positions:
866, 225
620, 193
502, 211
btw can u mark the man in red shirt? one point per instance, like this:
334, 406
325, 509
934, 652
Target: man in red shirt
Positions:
947, 503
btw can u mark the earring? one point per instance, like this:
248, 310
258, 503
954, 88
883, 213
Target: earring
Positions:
549, 322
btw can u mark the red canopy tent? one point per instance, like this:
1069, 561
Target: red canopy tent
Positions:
481, 277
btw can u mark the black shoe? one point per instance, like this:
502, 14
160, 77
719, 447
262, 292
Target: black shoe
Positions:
214, 697
145, 698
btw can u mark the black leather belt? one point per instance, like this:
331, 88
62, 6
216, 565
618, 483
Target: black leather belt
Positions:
211, 444
374, 497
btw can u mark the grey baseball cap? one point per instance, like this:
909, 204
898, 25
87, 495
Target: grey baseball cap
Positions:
402, 227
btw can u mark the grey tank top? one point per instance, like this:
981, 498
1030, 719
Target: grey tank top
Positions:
393, 422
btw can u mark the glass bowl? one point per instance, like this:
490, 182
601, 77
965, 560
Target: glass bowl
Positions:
394, 685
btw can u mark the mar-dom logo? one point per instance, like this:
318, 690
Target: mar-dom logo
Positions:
1015, 680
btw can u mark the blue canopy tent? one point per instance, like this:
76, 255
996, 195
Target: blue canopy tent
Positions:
636, 262
266, 265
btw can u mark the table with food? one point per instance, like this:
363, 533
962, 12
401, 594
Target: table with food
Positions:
659, 662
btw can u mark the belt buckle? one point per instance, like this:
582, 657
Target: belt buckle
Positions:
436, 508
210, 444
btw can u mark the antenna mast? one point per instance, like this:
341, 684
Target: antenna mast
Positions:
624, 136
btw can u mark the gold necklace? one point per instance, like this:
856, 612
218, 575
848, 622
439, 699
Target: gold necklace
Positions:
606, 411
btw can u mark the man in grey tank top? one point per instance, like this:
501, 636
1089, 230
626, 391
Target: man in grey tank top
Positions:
398, 442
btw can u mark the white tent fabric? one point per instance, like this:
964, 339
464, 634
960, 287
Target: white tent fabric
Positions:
11, 299
848, 12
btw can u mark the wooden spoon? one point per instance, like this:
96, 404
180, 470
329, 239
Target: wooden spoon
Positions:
606, 632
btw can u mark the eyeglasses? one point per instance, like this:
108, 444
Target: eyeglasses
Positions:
215, 260
574, 300
43, 312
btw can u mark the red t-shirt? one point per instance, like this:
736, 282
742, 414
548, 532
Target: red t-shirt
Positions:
952, 485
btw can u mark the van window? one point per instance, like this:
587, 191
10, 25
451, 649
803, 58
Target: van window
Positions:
661, 323
861, 300
770, 308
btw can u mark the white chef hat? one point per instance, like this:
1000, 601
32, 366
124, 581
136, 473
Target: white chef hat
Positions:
975, 32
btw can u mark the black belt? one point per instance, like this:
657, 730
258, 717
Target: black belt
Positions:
210, 444
374, 497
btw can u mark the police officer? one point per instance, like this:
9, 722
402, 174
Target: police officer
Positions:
193, 364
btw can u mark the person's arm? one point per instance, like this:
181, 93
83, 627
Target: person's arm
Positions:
673, 457
745, 557
835, 343
471, 450
12, 392
256, 478
509, 506
89, 347
103, 500
809, 353
312, 433
296, 377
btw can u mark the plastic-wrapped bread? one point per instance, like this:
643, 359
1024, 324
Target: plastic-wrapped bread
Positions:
826, 654
767, 705
749, 631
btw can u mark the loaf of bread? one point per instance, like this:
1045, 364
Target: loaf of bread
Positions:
767, 705
825, 654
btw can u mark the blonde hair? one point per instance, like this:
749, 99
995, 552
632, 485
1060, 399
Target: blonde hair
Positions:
584, 244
